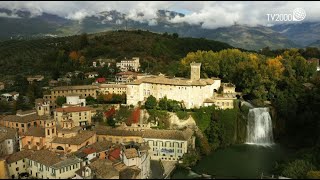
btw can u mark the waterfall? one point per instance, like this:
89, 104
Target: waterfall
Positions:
259, 127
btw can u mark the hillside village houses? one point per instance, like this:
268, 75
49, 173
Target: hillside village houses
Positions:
125, 77
112, 88
84, 91
129, 64
55, 142
169, 145
12, 96
91, 75
38, 78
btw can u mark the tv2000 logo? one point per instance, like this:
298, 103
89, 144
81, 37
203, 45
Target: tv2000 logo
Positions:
297, 14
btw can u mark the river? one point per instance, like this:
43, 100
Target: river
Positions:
237, 161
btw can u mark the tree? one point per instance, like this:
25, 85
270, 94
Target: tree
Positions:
111, 122
175, 35
297, 169
21, 103
74, 56
60, 100
163, 103
151, 102
90, 100
98, 117
4, 106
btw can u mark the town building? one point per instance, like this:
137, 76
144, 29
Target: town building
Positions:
74, 101
38, 78
43, 107
133, 163
53, 83
81, 116
91, 75
191, 92
129, 64
23, 120
125, 77
45, 164
12, 96
99, 169
102, 62
83, 91
169, 145
112, 88
137, 155
225, 99
17, 163
9, 141
66, 138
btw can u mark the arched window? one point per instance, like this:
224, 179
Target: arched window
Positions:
60, 148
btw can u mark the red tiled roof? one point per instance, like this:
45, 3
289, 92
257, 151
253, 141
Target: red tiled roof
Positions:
100, 80
89, 150
115, 154
73, 109
109, 113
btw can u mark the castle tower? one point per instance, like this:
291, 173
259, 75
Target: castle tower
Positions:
195, 71
50, 130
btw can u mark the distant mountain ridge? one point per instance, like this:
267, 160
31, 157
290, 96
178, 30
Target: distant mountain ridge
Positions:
254, 38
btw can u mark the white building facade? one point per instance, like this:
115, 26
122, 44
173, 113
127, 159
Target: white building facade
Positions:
129, 64
192, 92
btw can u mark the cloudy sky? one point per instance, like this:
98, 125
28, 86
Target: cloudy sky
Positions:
210, 14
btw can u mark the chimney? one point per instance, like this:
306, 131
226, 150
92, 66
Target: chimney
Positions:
195, 71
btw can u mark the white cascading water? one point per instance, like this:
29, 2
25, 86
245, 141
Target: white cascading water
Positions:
259, 128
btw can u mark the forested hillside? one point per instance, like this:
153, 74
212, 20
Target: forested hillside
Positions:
46, 56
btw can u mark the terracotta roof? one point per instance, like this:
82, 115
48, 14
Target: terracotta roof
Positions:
73, 109
62, 88
18, 156
101, 130
112, 86
104, 169
131, 153
66, 162
152, 134
89, 150
115, 153
23, 119
75, 140
36, 132
45, 157
131, 172
101, 146
173, 81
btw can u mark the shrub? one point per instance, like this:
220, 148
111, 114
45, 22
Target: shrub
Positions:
151, 102
297, 169
182, 115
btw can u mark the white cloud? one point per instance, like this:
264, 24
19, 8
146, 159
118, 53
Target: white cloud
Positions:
209, 14
9, 16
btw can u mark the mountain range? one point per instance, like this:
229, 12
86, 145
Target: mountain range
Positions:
21, 24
